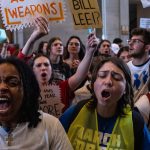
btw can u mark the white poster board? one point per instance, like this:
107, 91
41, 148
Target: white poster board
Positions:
17, 14
145, 23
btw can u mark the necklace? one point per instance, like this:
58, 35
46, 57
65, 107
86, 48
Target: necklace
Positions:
9, 138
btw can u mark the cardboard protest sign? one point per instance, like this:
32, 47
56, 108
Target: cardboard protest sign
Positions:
50, 100
85, 14
21, 13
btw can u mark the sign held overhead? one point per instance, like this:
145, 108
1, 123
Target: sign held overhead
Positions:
85, 14
21, 13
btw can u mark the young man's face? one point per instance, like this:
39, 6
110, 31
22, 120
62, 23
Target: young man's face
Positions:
57, 48
42, 69
136, 46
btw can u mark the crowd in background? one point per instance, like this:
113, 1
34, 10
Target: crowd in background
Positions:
98, 90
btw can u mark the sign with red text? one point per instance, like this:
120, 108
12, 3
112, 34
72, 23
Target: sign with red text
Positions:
85, 14
21, 13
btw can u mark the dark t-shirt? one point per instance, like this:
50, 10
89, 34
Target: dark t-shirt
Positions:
61, 71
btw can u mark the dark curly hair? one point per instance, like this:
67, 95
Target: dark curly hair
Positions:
30, 105
126, 98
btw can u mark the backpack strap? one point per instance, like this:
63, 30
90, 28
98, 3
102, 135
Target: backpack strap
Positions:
148, 96
77, 109
138, 125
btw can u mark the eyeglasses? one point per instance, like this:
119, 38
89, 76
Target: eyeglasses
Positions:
76, 44
11, 81
115, 75
135, 41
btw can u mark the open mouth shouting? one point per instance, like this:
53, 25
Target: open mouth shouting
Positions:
105, 94
4, 104
43, 75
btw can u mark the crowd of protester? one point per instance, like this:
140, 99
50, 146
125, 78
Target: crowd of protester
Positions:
76, 96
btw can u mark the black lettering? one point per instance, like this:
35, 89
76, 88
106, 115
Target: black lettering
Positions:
81, 18
93, 18
48, 109
76, 23
96, 16
76, 4
88, 18
53, 110
49, 95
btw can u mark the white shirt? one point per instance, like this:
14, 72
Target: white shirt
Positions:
140, 76
48, 135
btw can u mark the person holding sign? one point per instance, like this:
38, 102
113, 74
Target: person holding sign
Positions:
22, 125
56, 97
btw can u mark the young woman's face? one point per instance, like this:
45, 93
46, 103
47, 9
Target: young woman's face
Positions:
104, 48
42, 69
11, 93
125, 56
74, 46
110, 85
57, 48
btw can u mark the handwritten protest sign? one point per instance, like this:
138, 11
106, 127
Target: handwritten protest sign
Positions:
85, 13
50, 100
20, 13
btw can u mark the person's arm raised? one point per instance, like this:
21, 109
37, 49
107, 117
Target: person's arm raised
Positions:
82, 70
41, 29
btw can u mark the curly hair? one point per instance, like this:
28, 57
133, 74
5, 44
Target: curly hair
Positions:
30, 105
126, 98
